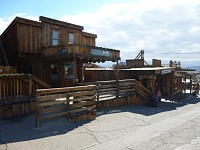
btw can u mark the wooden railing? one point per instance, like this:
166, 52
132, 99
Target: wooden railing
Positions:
111, 89
19, 85
80, 49
141, 90
55, 102
177, 95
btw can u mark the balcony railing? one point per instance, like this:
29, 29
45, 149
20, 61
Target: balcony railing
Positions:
82, 50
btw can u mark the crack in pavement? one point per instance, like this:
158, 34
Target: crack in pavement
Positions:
147, 132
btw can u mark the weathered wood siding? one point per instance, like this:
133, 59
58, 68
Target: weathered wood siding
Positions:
135, 63
156, 63
88, 39
63, 34
29, 38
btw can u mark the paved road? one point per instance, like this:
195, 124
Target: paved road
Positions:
169, 126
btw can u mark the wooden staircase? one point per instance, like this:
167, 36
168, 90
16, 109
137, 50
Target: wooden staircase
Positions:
142, 91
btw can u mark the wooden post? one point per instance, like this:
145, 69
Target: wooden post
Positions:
74, 65
190, 84
4, 89
37, 123
11, 86
117, 79
0, 89
82, 72
30, 86
20, 83
17, 87
185, 87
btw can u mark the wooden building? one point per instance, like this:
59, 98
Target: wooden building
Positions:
150, 77
153, 77
52, 50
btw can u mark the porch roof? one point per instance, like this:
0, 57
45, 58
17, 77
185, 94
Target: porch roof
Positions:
136, 69
150, 68
188, 73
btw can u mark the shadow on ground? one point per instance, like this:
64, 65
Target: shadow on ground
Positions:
23, 128
163, 106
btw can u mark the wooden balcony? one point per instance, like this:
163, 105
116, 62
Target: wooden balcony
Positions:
89, 53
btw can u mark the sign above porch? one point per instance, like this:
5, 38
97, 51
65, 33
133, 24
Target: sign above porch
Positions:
98, 52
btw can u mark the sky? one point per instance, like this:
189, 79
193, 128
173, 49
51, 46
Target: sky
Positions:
164, 29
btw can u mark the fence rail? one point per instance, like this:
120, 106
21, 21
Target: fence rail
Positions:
19, 85
113, 88
55, 102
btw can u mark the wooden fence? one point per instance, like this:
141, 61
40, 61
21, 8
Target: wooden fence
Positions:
121, 88
119, 93
68, 101
7, 70
17, 93
18, 85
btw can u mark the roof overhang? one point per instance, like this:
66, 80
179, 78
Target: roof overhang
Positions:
188, 73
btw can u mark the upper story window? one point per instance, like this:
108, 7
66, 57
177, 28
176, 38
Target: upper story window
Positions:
55, 37
71, 38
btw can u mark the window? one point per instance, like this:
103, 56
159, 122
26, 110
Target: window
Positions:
68, 70
54, 71
71, 38
55, 37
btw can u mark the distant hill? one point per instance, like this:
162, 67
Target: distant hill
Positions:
197, 68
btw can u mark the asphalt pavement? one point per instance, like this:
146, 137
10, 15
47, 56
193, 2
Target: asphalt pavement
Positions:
166, 127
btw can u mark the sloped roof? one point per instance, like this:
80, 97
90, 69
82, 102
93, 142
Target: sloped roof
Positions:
188, 73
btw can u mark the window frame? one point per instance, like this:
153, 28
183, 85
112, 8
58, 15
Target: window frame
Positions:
55, 38
71, 40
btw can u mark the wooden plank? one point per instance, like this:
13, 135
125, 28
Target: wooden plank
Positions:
51, 109
127, 84
107, 93
30, 39
65, 89
82, 93
82, 109
30, 87
107, 89
127, 90
86, 103
4, 88
0, 88
107, 82
51, 103
106, 86
51, 116
126, 87
51, 97
82, 98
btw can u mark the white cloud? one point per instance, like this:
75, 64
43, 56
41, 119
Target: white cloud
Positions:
4, 22
163, 29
